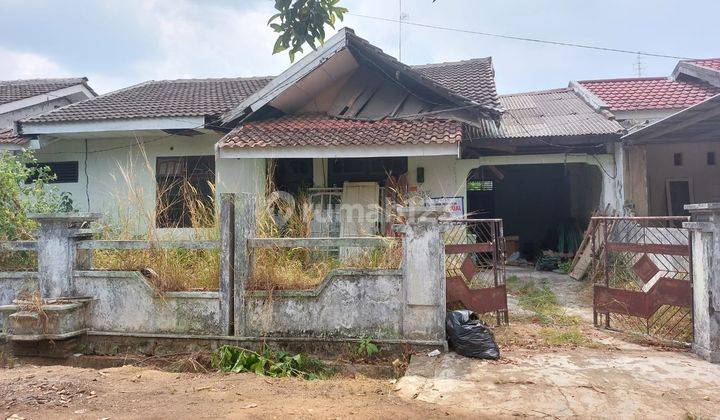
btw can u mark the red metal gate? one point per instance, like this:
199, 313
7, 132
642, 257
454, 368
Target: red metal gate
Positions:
642, 274
475, 266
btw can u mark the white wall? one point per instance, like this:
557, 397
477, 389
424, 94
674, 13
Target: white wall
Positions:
7, 119
120, 180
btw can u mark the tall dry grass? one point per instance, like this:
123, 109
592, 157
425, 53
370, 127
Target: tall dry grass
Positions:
135, 219
302, 268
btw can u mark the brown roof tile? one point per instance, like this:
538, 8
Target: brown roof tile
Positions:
15, 90
8, 136
473, 79
164, 98
324, 130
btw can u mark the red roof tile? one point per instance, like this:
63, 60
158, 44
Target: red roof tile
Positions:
710, 63
323, 130
8, 136
649, 93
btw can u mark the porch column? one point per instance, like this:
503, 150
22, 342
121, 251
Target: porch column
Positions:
423, 287
705, 222
56, 251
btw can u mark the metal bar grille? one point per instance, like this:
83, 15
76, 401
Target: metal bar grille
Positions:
642, 273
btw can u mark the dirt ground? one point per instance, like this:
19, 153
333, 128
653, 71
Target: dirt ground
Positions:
562, 368
40, 392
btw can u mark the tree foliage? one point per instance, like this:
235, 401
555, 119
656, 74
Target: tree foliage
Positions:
24, 189
301, 22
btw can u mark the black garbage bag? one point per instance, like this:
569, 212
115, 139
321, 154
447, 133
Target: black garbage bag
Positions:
469, 336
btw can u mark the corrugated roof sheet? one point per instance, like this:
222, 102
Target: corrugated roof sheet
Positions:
15, 90
164, 98
550, 113
649, 93
473, 79
324, 130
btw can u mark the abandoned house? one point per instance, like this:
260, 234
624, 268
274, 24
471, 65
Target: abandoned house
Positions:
348, 124
24, 98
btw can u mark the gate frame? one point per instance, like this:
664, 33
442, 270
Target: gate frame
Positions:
491, 296
602, 261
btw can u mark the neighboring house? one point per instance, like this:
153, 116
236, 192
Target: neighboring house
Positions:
132, 152
661, 176
352, 125
24, 98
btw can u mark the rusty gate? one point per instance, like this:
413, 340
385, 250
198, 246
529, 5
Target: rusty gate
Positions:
475, 266
642, 272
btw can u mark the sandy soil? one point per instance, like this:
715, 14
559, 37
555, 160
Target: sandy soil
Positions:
39, 392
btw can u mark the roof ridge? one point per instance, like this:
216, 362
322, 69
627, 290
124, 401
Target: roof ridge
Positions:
449, 63
79, 80
212, 79
625, 79
536, 92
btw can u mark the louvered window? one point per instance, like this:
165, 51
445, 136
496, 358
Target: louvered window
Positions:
65, 172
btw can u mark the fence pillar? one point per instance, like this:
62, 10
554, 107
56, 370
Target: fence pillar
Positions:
244, 230
56, 251
705, 222
423, 287
227, 262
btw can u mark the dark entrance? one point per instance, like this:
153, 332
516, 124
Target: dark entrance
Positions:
543, 207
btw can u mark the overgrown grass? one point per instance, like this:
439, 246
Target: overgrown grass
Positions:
304, 268
18, 260
136, 219
558, 328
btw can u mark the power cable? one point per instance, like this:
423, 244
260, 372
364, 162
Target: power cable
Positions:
521, 38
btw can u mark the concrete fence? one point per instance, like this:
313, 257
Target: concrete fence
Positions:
406, 305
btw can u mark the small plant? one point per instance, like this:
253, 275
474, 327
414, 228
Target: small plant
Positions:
275, 364
367, 348
565, 266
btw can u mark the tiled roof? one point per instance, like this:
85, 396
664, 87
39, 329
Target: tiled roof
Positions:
324, 130
549, 113
164, 98
649, 93
8, 136
710, 63
473, 79
15, 90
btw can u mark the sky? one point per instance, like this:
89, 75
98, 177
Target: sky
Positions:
117, 43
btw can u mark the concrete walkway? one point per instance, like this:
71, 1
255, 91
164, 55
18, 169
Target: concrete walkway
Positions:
577, 383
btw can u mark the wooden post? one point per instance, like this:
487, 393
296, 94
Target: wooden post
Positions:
227, 263
244, 230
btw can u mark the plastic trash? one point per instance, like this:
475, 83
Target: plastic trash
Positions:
470, 337
434, 353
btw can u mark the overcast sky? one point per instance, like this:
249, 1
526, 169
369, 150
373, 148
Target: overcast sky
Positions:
116, 43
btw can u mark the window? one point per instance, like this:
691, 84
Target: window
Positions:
711, 158
677, 159
65, 172
185, 189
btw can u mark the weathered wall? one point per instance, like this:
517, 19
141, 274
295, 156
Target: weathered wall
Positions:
125, 302
13, 283
705, 179
351, 303
7, 119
